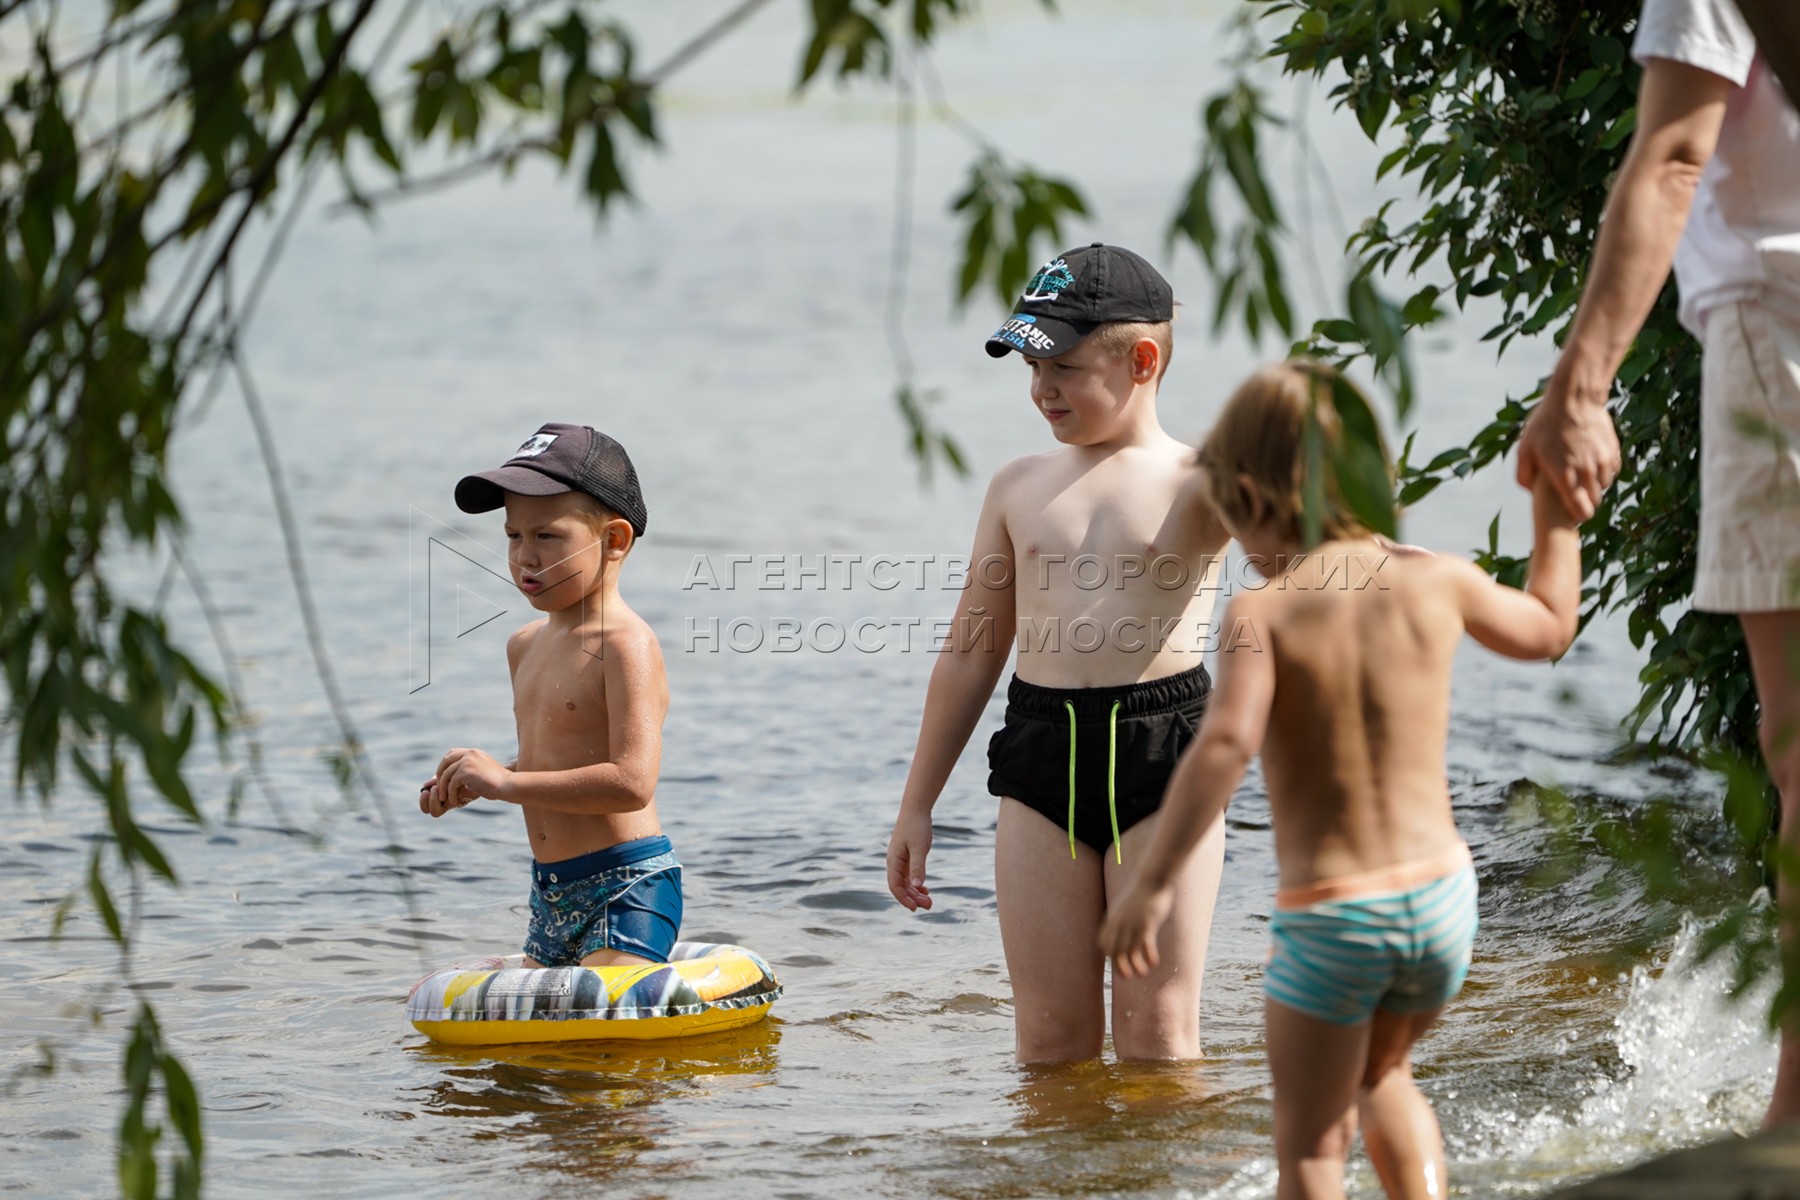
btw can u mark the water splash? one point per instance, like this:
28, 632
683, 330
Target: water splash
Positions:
1255, 1181
1694, 1065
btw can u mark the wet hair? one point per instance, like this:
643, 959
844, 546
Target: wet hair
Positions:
1116, 338
1258, 447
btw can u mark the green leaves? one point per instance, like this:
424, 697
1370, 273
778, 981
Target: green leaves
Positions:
571, 81
1245, 265
146, 1061
1508, 121
849, 33
927, 441
1014, 221
850, 37
1364, 479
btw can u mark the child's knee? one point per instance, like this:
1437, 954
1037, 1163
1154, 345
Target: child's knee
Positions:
1389, 1072
1330, 1143
1161, 1026
1058, 1035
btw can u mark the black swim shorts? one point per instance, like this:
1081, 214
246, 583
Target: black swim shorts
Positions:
1095, 760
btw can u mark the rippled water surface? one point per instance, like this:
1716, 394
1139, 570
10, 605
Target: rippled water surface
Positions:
730, 332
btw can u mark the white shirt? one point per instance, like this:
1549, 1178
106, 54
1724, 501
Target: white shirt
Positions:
1743, 236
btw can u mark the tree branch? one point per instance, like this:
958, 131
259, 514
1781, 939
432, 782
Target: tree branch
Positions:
510, 153
253, 189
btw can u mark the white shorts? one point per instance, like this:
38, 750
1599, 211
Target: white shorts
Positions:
1749, 461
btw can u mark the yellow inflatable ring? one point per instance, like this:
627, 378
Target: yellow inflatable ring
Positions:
703, 988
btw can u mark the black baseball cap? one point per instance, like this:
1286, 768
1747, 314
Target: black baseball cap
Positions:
561, 458
1077, 290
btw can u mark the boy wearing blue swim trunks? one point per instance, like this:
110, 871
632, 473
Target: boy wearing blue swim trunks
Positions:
1342, 682
589, 697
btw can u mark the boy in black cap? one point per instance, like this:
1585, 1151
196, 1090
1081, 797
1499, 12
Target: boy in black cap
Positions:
589, 696
1100, 557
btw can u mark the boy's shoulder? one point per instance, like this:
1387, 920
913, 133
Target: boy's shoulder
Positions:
521, 640
1173, 461
1408, 574
628, 633
1025, 467
623, 632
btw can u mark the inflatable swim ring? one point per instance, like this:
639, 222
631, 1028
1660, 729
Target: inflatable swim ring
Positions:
703, 988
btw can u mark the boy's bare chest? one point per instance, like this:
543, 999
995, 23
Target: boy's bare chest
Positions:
1128, 517
558, 692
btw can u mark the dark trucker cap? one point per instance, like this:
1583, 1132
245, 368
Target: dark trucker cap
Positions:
1078, 290
560, 458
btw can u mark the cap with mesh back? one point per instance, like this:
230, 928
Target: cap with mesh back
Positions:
1078, 291
561, 458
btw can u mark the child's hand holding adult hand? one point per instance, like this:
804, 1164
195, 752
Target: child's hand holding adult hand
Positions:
906, 853
1129, 935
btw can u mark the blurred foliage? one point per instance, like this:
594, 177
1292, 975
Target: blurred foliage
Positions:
1015, 222
1669, 861
1508, 119
141, 139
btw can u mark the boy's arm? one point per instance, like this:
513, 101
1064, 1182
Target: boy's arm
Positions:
981, 638
1231, 733
1540, 621
1212, 535
636, 694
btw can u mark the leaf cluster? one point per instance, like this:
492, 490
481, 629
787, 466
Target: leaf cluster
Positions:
855, 34
222, 113
1509, 119
1014, 220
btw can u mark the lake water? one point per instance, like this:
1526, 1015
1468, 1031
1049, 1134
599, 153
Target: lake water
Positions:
730, 331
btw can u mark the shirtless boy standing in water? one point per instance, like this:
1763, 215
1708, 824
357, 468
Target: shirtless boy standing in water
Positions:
1099, 556
589, 697
1344, 689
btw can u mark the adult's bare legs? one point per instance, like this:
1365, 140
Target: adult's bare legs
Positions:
1050, 906
1400, 1130
1318, 1069
1157, 1016
1774, 641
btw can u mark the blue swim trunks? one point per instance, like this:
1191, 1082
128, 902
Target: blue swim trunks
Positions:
1398, 939
626, 897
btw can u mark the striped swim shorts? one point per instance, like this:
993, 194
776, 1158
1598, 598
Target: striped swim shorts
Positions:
1397, 939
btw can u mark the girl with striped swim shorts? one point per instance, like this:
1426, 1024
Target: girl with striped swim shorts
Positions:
1342, 684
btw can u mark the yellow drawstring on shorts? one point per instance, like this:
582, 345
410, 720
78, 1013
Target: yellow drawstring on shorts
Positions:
1112, 763
1071, 708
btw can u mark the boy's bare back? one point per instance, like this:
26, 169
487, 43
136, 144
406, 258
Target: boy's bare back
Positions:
1115, 557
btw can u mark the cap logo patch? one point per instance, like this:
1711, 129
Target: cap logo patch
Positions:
1022, 333
535, 445
1050, 282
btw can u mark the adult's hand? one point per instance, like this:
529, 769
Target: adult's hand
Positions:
1573, 442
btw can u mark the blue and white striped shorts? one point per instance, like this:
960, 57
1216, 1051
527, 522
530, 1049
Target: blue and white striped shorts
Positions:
1374, 943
